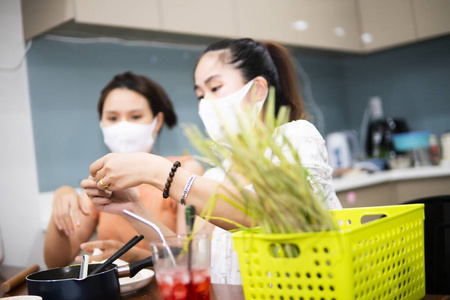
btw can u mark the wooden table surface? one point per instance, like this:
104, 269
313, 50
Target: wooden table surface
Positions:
218, 291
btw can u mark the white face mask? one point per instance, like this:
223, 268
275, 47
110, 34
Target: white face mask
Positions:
127, 137
229, 108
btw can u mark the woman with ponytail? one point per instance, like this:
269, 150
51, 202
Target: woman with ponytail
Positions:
229, 71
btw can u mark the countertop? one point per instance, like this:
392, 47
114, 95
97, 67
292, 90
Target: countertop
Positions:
354, 180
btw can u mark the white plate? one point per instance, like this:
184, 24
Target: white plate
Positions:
140, 280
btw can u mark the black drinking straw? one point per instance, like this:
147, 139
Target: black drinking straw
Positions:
190, 217
136, 239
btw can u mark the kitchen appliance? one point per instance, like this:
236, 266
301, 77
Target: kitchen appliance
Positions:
376, 131
379, 136
343, 149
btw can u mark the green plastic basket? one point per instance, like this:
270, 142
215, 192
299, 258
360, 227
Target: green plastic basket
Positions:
380, 259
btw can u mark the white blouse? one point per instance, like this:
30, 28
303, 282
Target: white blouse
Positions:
310, 145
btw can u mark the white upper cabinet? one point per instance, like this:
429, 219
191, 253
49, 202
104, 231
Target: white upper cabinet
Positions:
432, 17
203, 17
359, 26
139, 14
327, 24
39, 16
386, 23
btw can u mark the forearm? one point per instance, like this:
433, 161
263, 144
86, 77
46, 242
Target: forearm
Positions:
58, 247
121, 171
61, 249
199, 194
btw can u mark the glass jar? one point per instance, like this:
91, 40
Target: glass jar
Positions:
434, 150
445, 146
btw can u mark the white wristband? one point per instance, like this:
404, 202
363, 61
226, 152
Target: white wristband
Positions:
187, 188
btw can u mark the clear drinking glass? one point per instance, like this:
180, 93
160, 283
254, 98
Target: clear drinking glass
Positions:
185, 272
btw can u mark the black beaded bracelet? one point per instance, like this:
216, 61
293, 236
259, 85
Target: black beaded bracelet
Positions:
170, 179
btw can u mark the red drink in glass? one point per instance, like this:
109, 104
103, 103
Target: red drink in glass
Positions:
176, 284
182, 267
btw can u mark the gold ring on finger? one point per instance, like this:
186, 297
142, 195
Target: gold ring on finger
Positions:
104, 185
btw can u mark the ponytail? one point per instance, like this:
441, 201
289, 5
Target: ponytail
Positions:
289, 86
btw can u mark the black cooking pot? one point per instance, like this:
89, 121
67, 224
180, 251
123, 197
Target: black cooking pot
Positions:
63, 283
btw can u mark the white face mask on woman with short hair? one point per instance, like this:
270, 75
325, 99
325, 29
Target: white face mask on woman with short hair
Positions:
128, 137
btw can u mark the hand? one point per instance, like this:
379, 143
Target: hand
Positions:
118, 171
110, 247
111, 202
68, 208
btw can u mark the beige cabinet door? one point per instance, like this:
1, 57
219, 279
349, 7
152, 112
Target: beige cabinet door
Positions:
130, 13
39, 16
326, 24
432, 17
264, 19
202, 17
386, 23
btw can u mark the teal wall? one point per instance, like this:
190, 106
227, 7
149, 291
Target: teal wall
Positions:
65, 80
413, 83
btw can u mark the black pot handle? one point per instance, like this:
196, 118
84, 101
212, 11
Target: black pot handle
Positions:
139, 265
133, 268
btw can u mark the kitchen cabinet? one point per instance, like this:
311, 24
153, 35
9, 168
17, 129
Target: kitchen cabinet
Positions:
358, 26
394, 192
38, 16
432, 17
376, 195
199, 17
325, 24
203, 17
386, 23
130, 14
